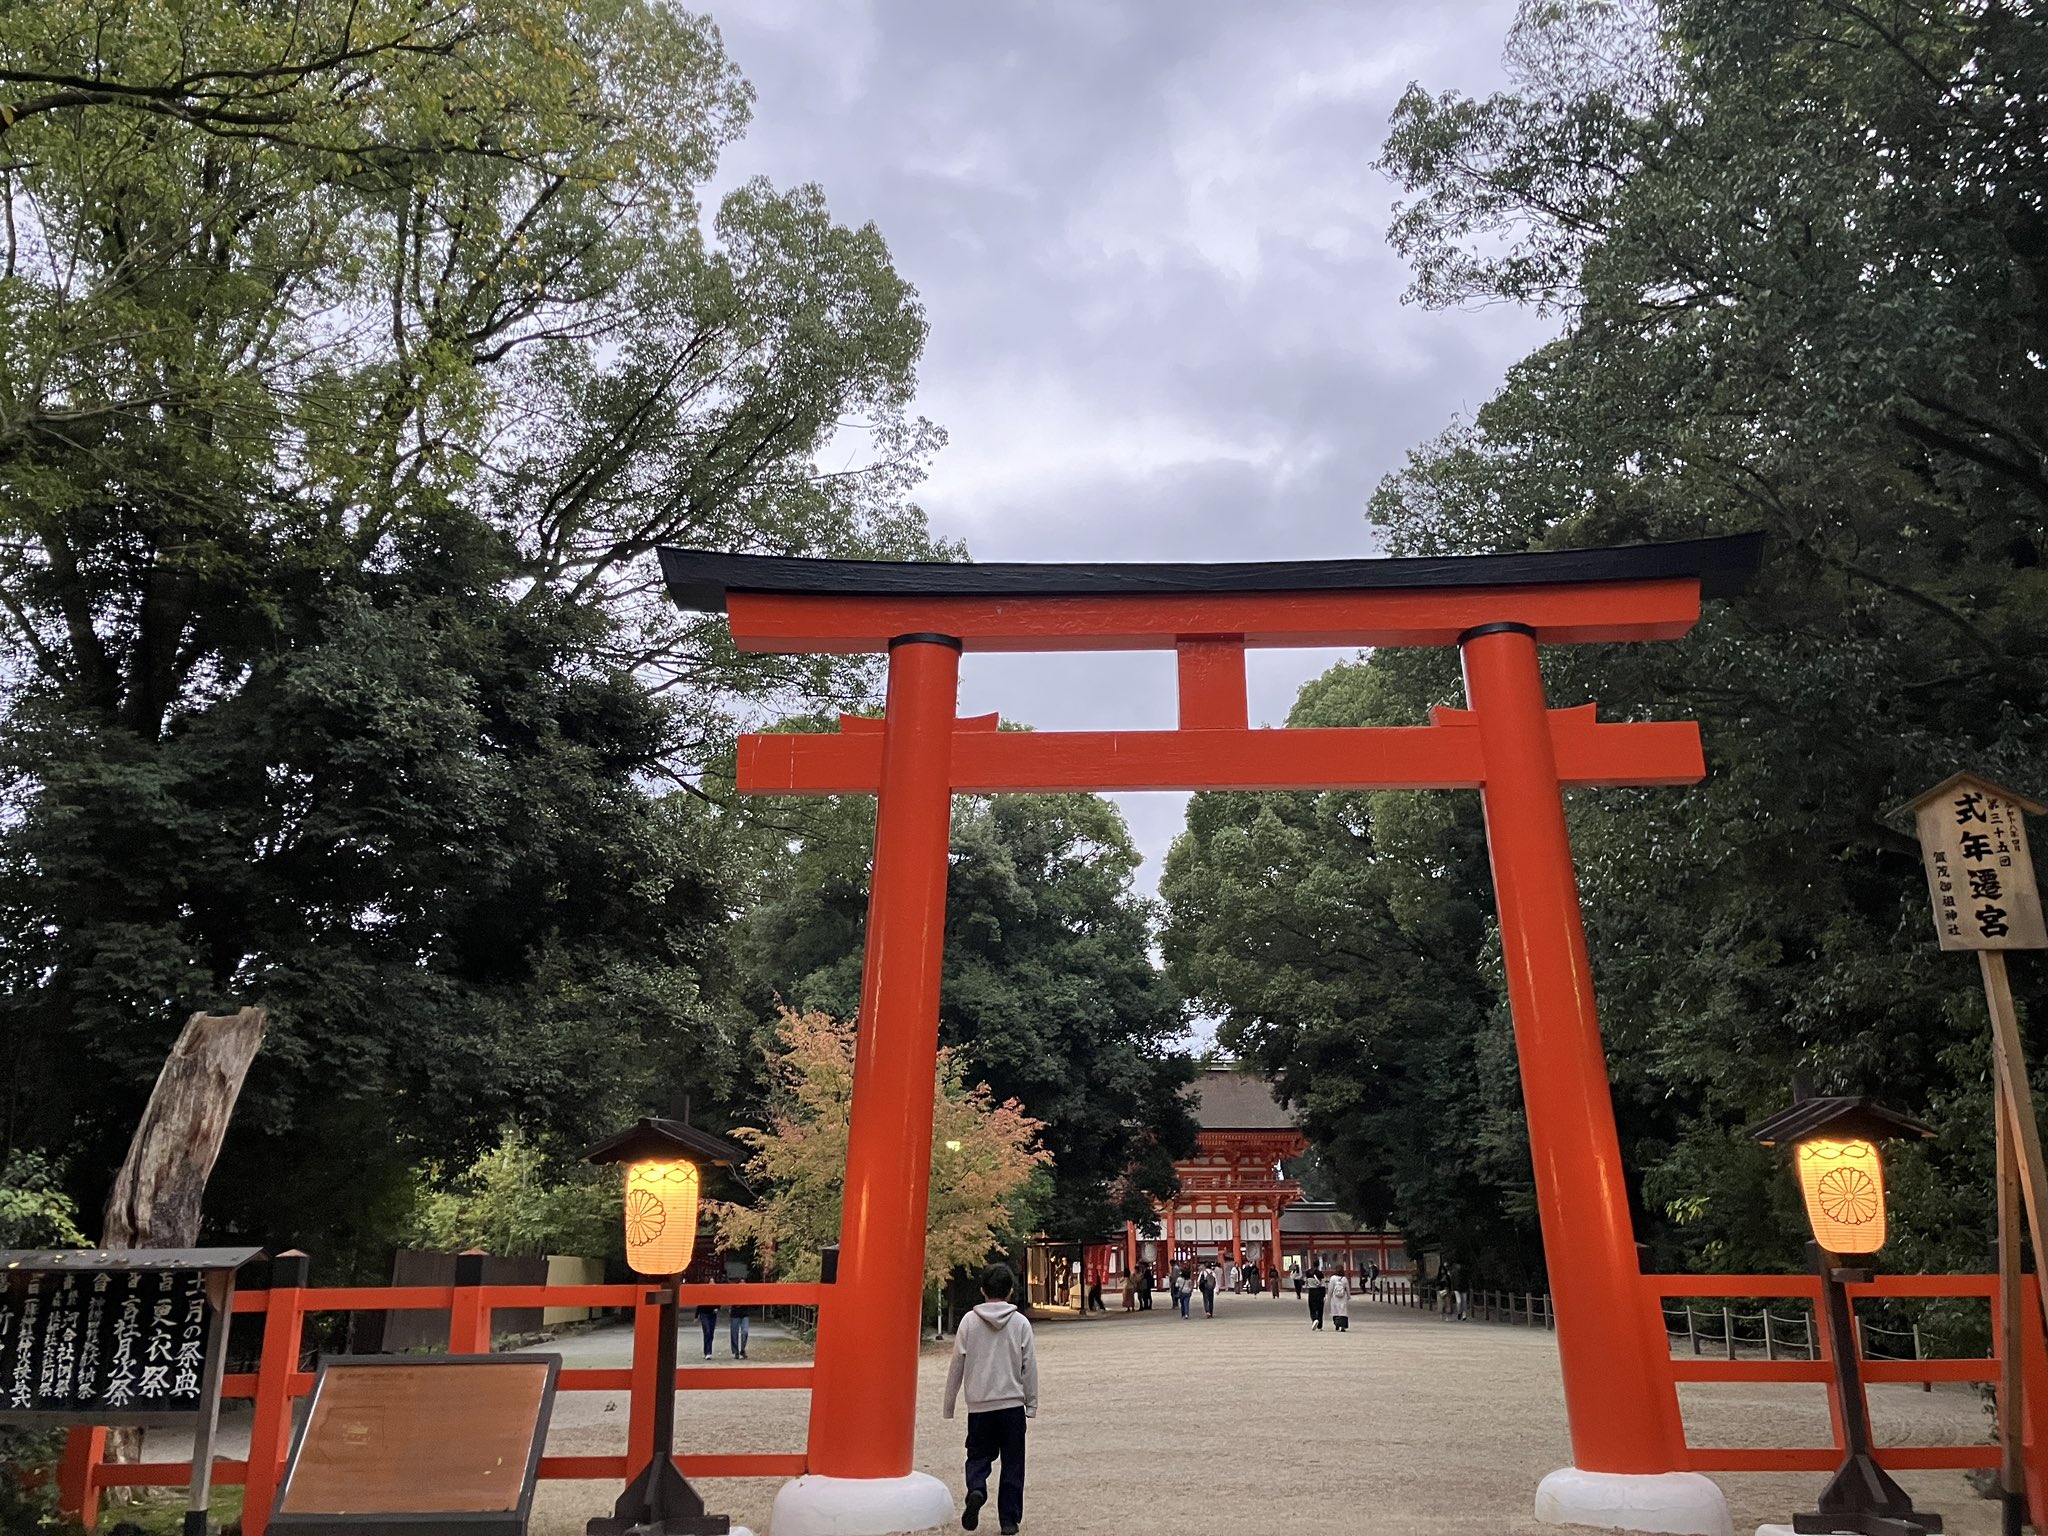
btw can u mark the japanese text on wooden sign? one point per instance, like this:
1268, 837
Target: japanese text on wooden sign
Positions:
1980, 876
112, 1344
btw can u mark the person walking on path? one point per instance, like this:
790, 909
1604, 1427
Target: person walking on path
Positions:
1315, 1297
1145, 1279
1297, 1282
1181, 1288
737, 1331
995, 1366
707, 1319
1339, 1299
1208, 1283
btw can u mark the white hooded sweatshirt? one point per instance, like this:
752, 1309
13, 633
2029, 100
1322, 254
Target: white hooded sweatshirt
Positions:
993, 1358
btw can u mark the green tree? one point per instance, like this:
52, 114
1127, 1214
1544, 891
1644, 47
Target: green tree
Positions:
1049, 990
350, 370
512, 1202
1798, 249
986, 1158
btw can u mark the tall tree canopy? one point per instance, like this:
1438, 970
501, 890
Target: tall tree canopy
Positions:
1049, 990
1798, 247
353, 358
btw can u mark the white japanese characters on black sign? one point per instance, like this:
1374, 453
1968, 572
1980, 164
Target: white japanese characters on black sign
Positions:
109, 1343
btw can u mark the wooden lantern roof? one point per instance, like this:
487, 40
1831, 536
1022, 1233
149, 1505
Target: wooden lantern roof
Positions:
1838, 1117
652, 1138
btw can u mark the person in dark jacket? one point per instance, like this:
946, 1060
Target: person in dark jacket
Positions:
707, 1319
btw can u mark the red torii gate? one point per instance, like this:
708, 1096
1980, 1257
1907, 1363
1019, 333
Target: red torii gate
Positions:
1520, 754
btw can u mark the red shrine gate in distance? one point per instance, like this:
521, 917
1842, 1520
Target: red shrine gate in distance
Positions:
1233, 1192
1627, 1438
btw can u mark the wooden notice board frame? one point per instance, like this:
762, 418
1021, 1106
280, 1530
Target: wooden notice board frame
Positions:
390, 1420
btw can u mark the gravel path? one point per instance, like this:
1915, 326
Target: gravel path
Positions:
1251, 1423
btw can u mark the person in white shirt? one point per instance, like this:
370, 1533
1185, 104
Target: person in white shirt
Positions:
1337, 1298
995, 1365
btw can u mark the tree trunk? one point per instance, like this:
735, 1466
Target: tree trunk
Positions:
156, 1196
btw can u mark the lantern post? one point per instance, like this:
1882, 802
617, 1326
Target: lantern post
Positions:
1841, 1182
663, 1160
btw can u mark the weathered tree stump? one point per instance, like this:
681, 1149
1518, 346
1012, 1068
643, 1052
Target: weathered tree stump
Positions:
156, 1197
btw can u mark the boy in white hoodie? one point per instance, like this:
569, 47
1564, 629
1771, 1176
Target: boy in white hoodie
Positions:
993, 1358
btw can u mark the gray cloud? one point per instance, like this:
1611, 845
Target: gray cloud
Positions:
1165, 323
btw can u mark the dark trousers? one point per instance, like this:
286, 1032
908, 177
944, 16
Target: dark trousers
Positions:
1315, 1306
708, 1321
1145, 1300
998, 1433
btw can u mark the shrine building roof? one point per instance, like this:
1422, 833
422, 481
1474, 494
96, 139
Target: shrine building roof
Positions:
1231, 1099
1315, 1218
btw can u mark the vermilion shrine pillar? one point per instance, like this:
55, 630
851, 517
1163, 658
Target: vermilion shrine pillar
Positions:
1623, 1417
864, 1394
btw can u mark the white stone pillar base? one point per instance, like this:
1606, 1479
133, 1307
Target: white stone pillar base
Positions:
1669, 1503
864, 1506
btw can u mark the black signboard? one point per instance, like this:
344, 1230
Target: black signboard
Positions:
110, 1336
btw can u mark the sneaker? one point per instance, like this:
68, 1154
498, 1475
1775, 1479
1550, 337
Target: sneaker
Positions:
970, 1517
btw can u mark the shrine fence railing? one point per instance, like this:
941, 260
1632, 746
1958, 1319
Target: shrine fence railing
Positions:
1814, 1366
84, 1474
1658, 1289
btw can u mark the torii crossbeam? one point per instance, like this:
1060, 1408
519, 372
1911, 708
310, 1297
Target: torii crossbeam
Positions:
1497, 609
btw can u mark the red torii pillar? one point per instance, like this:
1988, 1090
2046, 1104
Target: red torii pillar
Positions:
1627, 1441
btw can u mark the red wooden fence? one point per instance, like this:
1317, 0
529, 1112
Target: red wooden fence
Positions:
83, 1475
1826, 1458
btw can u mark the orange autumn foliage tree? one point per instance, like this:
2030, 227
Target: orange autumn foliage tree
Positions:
984, 1156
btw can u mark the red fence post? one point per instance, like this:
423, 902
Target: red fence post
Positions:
646, 1382
2034, 1400
78, 1489
469, 1320
270, 1431
1613, 1355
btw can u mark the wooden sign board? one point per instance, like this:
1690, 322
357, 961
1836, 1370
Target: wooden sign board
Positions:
419, 1444
1980, 876
111, 1336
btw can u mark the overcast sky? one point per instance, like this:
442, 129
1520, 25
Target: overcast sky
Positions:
1165, 322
